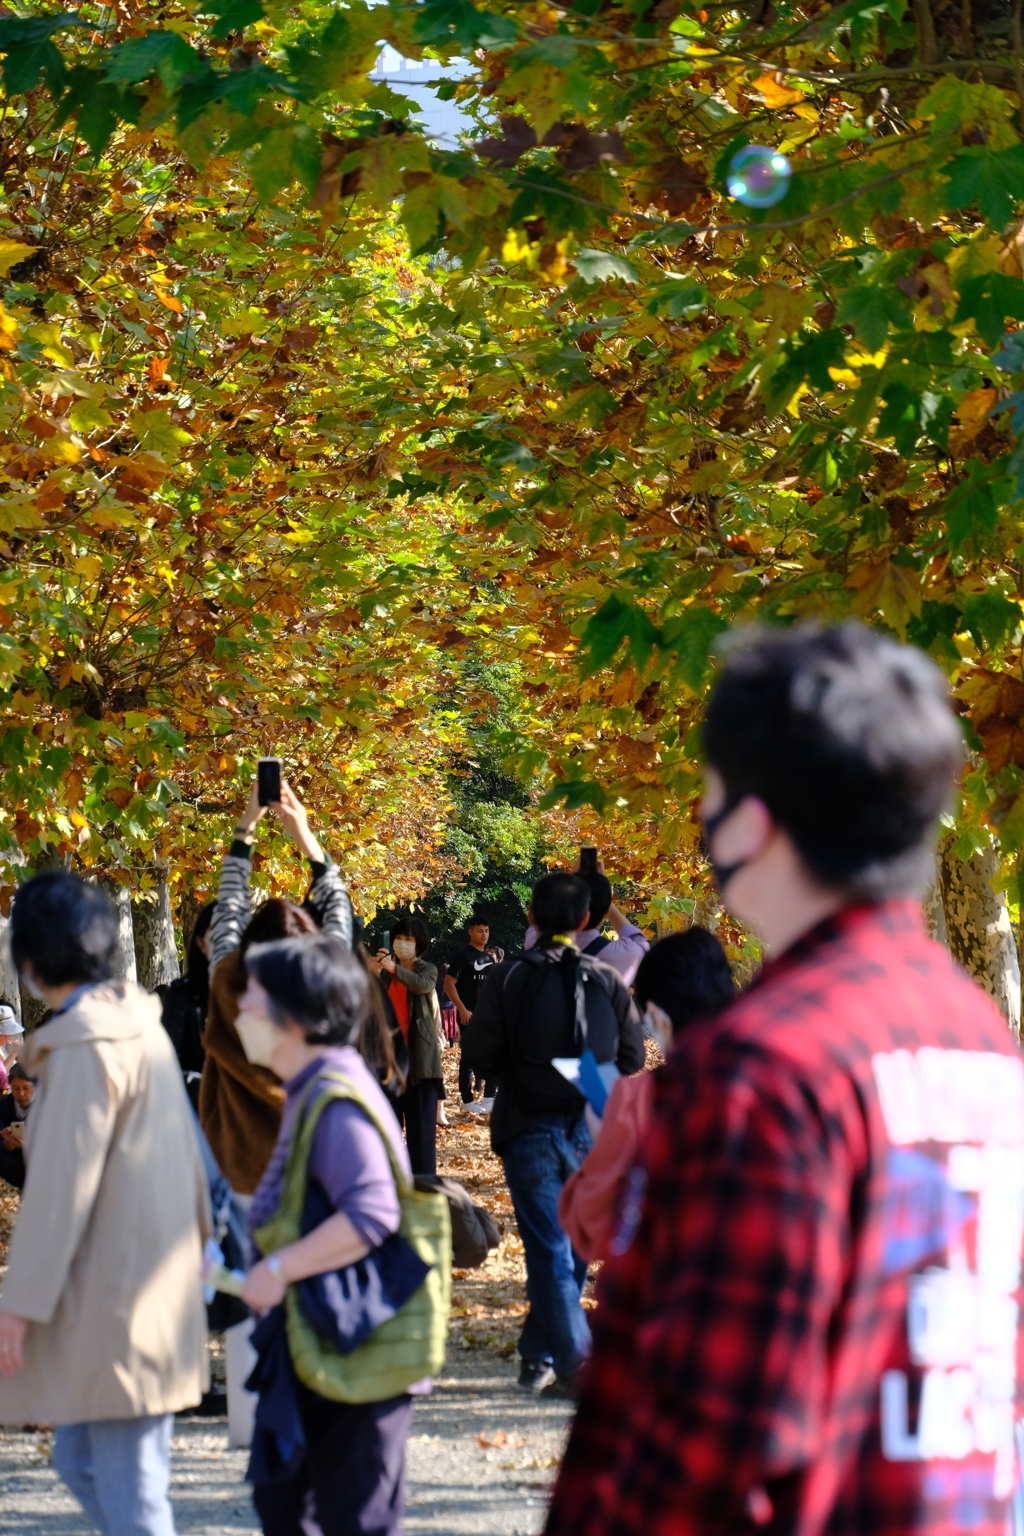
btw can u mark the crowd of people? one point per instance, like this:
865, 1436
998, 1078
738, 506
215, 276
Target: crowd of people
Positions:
809, 1220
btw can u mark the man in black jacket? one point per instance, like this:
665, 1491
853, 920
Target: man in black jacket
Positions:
549, 1003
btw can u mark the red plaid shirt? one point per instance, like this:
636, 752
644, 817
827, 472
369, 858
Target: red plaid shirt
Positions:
815, 1326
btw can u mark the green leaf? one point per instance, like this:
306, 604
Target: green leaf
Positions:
990, 618
615, 623
989, 300
681, 300
423, 218
30, 51
235, 15
692, 635
603, 266
807, 359
957, 104
163, 54
447, 21
97, 105
991, 180
290, 152
973, 508
576, 793
870, 310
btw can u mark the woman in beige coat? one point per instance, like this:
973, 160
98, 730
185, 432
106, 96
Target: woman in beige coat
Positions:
102, 1325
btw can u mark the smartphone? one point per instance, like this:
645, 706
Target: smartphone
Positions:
18, 1127
588, 862
268, 780
386, 941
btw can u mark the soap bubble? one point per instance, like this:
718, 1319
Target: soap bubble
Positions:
758, 176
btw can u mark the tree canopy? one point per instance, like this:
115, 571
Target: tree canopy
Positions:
300, 410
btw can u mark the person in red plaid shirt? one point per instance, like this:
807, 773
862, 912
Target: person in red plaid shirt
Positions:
812, 1324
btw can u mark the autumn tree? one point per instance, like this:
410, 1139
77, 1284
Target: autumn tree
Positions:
605, 408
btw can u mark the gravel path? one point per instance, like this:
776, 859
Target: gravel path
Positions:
482, 1456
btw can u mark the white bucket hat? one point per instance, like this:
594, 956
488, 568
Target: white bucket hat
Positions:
9, 1021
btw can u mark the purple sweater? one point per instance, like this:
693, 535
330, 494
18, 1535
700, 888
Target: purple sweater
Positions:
348, 1158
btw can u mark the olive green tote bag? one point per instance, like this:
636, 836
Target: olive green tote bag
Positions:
410, 1345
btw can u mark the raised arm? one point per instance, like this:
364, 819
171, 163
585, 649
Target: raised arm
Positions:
328, 891
234, 900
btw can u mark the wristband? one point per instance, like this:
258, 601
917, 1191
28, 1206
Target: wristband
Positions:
243, 831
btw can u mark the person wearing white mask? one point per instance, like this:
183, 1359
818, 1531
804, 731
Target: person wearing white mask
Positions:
11, 1037
412, 988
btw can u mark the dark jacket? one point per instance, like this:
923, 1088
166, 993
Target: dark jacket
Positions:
424, 1022
492, 1041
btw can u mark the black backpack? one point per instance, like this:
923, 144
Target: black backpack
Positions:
183, 1020
565, 1007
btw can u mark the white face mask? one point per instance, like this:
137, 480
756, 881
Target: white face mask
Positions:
405, 949
259, 1038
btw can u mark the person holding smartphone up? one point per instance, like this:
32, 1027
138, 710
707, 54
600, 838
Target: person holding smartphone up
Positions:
623, 953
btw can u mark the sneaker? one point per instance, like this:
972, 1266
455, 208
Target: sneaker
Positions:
484, 1107
442, 1118
468, 1106
567, 1388
535, 1375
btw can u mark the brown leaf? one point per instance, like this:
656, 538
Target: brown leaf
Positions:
517, 138
675, 185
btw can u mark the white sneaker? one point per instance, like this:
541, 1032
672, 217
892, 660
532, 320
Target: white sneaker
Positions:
442, 1118
483, 1107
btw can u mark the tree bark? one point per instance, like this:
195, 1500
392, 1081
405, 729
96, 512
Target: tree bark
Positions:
10, 987
978, 926
156, 953
118, 896
934, 913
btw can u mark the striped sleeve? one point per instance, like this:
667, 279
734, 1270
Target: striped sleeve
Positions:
233, 907
331, 898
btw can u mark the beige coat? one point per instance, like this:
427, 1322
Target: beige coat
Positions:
106, 1252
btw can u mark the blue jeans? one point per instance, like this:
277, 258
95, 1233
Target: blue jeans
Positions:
537, 1164
119, 1470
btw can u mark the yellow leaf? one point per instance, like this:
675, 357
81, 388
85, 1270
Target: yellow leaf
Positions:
9, 329
48, 335
86, 415
785, 307
891, 590
90, 566
156, 431
63, 450
775, 92
169, 301
540, 92
975, 406
11, 252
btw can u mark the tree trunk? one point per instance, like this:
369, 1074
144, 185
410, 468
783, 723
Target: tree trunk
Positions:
934, 913
10, 987
978, 926
124, 964
155, 950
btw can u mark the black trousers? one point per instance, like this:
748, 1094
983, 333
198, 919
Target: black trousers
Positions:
352, 1480
418, 1112
466, 1076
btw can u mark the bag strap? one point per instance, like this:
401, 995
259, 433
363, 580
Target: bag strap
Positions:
338, 1086
597, 946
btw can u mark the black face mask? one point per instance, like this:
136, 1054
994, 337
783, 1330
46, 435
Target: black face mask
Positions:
721, 874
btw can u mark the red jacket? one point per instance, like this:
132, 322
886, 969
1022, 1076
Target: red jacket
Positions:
590, 1205
816, 1328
